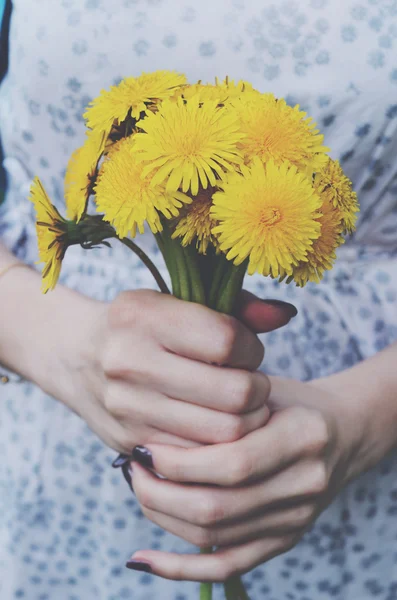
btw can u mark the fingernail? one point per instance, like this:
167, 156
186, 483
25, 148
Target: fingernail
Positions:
139, 565
290, 308
124, 461
121, 460
127, 472
143, 456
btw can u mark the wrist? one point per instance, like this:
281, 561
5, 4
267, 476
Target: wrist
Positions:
71, 349
47, 339
367, 408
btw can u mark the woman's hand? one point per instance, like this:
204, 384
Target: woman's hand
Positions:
253, 498
139, 370
155, 374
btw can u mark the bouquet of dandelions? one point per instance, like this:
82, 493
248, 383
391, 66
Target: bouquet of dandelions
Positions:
229, 180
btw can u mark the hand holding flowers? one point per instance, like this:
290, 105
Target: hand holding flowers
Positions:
255, 497
151, 376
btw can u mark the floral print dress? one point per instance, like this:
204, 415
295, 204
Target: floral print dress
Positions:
68, 522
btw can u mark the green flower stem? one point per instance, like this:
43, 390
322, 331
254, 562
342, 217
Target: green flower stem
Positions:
230, 590
160, 244
222, 268
175, 261
183, 272
235, 590
232, 287
193, 271
164, 243
148, 263
182, 263
92, 231
206, 588
89, 232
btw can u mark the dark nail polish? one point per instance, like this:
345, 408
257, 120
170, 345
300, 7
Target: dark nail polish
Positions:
121, 460
287, 306
143, 456
138, 565
126, 468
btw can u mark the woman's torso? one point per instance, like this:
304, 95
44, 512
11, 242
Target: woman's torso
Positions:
67, 521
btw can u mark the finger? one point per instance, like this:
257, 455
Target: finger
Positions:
124, 438
156, 436
196, 423
189, 329
229, 390
289, 435
289, 521
216, 567
261, 316
214, 507
132, 404
255, 456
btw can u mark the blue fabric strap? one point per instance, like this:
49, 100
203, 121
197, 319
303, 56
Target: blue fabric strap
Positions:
2, 5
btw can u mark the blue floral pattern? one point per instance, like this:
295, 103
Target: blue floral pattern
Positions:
67, 520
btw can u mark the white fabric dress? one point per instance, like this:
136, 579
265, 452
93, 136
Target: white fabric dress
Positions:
68, 522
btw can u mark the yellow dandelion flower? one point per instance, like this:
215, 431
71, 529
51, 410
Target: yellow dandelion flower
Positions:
187, 143
322, 255
135, 94
236, 89
332, 184
201, 93
127, 197
275, 131
80, 174
221, 91
267, 214
196, 223
111, 149
51, 234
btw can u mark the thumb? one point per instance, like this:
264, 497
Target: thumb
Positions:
262, 316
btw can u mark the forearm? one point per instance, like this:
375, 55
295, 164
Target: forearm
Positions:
40, 334
371, 387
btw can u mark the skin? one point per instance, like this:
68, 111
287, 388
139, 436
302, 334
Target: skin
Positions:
139, 370
254, 498
265, 455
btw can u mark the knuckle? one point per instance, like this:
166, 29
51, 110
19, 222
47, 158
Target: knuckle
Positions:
209, 513
226, 338
176, 472
318, 432
119, 360
130, 308
146, 512
294, 420
304, 515
203, 538
144, 496
232, 429
317, 481
239, 470
265, 384
224, 569
125, 441
301, 416
110, 358
286, 543
242, 391
122, 310
312, 429
112, 402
